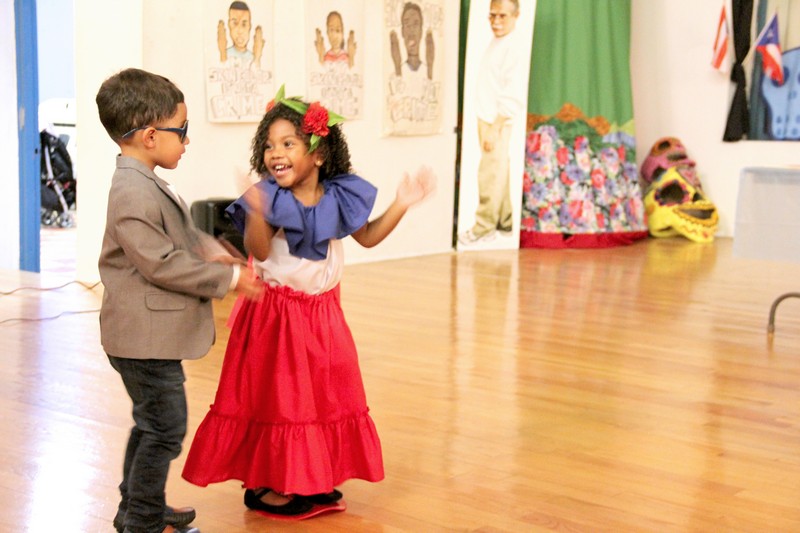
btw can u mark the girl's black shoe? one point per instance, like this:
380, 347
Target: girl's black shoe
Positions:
296, 506
325, 499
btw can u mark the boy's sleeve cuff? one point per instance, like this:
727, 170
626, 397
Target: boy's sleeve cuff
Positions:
235, 277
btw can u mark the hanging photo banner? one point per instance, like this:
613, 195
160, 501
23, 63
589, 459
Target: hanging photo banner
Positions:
775, 76
239, 46
496, 77
413, 66
335, 58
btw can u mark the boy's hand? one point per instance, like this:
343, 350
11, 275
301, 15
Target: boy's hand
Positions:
227, 259
249, 285
413, 190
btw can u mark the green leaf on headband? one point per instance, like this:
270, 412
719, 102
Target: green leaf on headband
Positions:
295, 105
334, 119
292, 103
313, 143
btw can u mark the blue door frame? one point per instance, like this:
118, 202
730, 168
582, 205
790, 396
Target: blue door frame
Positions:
29, 144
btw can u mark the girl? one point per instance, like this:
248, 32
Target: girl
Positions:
290, 417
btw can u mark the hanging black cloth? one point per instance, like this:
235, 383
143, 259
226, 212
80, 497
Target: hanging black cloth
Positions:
739, 117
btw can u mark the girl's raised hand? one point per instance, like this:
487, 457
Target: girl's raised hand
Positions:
413, 190
257, 201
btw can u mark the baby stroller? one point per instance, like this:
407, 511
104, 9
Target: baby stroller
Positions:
58, 182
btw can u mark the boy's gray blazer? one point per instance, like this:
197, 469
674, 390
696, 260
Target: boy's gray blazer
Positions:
158, 287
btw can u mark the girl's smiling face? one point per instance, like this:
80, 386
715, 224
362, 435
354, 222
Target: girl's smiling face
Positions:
287, 159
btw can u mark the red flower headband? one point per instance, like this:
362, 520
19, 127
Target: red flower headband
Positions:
316, 119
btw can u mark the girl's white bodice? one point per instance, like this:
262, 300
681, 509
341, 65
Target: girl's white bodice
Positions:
305, 275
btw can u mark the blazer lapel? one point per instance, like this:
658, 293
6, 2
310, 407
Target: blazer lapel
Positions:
174, 196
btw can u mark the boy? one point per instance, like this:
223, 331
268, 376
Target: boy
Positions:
159, 278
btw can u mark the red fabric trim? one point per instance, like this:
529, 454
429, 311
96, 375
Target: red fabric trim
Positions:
533, 239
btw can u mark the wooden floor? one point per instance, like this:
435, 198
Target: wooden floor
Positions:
629, 389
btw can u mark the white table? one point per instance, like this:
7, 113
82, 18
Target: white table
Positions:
768, 220
768, 214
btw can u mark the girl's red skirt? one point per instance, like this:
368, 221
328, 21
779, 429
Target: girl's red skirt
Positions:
290, 412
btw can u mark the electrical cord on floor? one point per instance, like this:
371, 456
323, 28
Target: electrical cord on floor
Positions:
42, 319
87, 286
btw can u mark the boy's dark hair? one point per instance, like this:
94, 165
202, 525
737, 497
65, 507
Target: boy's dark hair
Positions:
332, 147
239, 6
134, 98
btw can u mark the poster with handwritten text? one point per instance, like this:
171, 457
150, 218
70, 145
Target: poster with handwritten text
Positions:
335, 58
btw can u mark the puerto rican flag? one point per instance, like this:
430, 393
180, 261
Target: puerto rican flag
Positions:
721, 58
769, 46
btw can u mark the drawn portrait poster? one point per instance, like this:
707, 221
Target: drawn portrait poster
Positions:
413, 66
239, 51
334, 33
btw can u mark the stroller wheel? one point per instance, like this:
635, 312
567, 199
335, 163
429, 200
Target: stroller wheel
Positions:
49, 217
64, 220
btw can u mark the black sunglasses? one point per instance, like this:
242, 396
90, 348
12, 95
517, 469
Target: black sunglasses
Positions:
182, 132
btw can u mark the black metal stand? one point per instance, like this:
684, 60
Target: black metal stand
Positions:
774, 308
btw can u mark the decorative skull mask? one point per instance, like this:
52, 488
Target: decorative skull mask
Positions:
668, 152
676, 207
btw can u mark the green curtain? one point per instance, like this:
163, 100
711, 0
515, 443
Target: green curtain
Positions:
581, 55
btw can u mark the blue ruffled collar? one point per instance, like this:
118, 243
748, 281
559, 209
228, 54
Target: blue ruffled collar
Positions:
344, 207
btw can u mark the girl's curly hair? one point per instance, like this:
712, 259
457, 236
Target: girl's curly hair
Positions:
332, 147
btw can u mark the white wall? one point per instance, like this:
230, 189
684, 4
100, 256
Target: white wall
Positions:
102, 48
677, 93
9, 147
